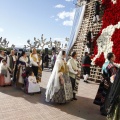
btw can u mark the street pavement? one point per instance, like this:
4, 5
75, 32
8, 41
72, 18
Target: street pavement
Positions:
16, 105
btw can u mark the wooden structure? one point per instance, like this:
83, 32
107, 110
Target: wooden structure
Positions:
80, 43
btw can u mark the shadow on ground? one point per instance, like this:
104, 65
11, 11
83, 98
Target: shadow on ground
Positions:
83, 107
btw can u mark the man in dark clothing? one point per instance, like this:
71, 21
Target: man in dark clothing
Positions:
43, 55
97, 11
46, 60
87, 1
86, 62
89, 40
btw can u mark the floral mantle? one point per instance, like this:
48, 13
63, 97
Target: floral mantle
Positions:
108, 40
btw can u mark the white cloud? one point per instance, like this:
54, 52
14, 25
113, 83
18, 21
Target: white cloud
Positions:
1, 29
59, 6
65, 14
68, 23
68, 0
69, 15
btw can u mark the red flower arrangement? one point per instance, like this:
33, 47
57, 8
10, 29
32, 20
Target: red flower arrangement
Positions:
111, 17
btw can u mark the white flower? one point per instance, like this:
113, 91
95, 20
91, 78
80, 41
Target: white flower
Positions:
104, 42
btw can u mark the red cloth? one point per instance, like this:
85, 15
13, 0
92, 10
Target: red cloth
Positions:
2, 81
85, 65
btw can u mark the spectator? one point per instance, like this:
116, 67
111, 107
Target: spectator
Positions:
46, 60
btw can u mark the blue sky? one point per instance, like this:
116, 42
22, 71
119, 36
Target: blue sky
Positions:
21, 20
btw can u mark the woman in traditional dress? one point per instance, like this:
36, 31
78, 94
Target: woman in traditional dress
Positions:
34, 61
109, 69
5, 71
59, 88
2, 56
39, 69
12, 62
21, 72
114, 99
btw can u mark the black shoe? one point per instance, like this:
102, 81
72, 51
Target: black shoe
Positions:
74, 98
104, 114
39, 92
31, 94
86, 81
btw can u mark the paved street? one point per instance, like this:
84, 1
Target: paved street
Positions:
16, 105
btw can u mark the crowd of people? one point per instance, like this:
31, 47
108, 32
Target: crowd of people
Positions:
22, 71
25, 72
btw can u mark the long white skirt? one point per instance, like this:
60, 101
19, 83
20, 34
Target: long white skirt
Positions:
8, 79
20, 77
33, 87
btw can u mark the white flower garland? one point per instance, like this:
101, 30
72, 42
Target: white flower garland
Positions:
104, 42
114, 1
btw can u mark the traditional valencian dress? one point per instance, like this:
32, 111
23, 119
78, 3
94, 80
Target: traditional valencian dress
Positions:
75, 79
32, 85
2, 83
21, 72
108, 70
12, 63
57, 92
34, 62
114, 99
39, 69
5, 71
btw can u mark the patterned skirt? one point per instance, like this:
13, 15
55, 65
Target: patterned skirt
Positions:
115, 112
39, 76
101, 98
65, 93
